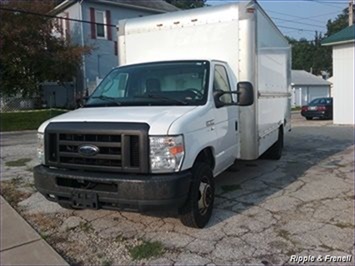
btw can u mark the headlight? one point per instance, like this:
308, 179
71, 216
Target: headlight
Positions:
40, 147
166, 153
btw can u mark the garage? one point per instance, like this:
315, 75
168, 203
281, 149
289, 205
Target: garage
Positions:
307, 87
343, 74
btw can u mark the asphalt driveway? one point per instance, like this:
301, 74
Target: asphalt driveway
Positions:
266, 212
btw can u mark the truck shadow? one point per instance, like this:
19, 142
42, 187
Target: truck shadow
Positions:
249, 183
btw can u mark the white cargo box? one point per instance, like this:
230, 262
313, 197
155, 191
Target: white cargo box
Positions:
241, 35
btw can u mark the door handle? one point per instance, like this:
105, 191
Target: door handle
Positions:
236, 125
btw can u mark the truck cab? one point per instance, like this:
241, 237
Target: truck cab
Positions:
143, 136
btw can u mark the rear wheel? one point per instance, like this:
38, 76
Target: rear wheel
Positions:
197, 210
275, 151
309, 118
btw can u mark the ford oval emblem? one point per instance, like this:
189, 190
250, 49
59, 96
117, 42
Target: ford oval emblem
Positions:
88, 150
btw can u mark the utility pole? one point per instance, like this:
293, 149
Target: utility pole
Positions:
351, 12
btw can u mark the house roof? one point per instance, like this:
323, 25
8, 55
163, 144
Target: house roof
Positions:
158, 6
331, 79
301, 77
346, 35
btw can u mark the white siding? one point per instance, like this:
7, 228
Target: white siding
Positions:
318, 92
343, 90
302, 95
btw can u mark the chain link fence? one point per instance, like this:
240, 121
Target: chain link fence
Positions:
28, 113
11, 104
52, 95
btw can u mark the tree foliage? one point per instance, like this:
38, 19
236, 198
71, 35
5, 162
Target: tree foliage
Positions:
31, 52
336, 25
311, 55
187, 4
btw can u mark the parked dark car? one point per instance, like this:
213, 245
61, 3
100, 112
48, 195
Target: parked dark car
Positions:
320, 107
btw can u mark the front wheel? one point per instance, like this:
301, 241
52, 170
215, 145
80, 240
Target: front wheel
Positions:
197, 210
309, 118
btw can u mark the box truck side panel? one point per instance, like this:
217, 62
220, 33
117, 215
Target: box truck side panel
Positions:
273, 82
211, 41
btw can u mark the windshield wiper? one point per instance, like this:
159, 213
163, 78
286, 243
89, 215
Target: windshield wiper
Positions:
107, 99
161, 97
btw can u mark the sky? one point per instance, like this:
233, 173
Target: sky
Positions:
299, 18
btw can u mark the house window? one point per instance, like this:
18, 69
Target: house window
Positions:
100, 27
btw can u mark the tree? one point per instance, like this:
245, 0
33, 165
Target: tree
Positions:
31, 52
311, 56
336, 25
187, 4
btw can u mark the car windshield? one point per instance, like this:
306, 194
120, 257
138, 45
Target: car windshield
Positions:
164, 84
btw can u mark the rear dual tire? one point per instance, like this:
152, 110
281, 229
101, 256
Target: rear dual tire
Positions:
275, 151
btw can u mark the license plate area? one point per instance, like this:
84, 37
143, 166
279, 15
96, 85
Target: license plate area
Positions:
313, 108
85, 200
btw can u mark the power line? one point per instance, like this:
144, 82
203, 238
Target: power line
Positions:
298, 22
292, 28
331, 13
52, 16
327, 3
110, 25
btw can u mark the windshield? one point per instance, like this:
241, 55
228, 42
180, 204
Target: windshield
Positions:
164, 84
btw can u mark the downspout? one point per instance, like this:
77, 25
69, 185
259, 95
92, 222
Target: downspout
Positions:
82, 44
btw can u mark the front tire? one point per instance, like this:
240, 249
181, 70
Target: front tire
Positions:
309, 118
197, 210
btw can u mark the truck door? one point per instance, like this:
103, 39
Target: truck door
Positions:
226, 121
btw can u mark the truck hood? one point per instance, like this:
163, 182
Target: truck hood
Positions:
159, 118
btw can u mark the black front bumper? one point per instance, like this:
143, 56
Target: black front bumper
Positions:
112, 191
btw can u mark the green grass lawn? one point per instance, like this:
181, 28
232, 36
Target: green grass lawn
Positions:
30, 120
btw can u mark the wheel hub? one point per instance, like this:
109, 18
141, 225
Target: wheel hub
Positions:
205, 197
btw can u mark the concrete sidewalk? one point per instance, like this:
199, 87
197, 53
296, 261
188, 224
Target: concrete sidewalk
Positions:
21, 244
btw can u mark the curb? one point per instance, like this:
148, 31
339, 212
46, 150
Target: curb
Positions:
35, 251
17, 132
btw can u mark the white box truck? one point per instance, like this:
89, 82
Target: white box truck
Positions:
194, 91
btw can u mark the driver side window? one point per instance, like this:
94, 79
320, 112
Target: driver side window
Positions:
116, 86
221, 83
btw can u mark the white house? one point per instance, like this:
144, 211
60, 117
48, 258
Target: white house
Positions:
102, 37
306, 87
331, 80
343, 74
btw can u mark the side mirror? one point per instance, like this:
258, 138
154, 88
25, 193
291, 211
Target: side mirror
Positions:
245, 94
